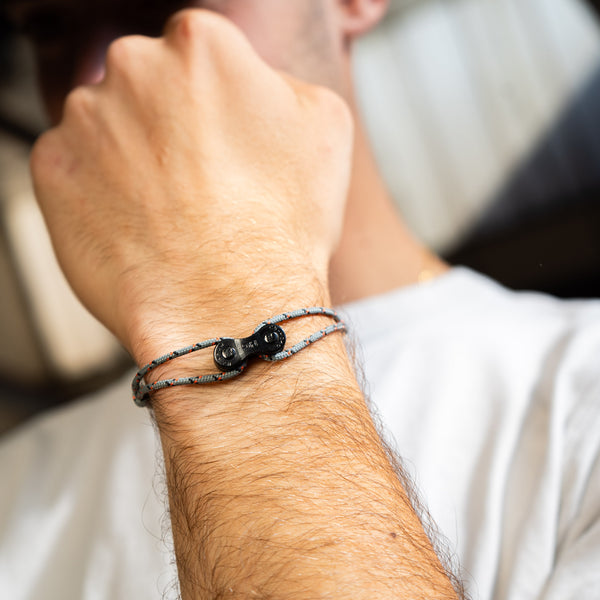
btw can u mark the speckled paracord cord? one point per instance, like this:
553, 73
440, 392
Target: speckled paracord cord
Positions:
272, 335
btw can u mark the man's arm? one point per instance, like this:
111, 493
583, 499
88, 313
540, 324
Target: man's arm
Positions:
192, 194
279, 487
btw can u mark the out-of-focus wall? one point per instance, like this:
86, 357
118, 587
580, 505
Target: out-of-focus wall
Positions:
45, 333
456, 93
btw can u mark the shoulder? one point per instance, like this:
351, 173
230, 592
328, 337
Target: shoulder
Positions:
463, 313
492, 398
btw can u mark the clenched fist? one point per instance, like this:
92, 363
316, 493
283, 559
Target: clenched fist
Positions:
192, 181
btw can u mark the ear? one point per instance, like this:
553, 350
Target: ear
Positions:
358, 16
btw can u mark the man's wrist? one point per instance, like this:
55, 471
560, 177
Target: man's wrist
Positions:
231, 308
229, 320
263, 398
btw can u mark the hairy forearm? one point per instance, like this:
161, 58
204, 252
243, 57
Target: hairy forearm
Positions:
279, 487
189, 211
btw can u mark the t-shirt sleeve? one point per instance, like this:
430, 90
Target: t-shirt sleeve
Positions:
576, 574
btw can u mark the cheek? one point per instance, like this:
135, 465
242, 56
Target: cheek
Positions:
269, 25
299, 37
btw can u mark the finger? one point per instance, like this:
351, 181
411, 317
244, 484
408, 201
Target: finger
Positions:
127, 54
200, 29
192, 24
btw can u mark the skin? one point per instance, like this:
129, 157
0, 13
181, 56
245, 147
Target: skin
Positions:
204, 210
309, 39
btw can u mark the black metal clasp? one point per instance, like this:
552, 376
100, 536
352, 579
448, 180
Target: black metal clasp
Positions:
232, 353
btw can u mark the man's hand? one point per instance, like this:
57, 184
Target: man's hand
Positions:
195, 192
190, 177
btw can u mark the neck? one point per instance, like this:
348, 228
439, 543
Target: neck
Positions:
377, 252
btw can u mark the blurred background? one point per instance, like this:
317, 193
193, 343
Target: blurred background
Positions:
485, 119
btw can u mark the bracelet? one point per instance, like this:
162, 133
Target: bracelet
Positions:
231, 355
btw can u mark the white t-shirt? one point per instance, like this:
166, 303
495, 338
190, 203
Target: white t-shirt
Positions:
492, 399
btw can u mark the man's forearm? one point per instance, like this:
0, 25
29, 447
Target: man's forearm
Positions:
187, 211
279, 487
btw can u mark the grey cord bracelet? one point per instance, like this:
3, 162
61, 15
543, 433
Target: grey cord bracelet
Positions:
231, 355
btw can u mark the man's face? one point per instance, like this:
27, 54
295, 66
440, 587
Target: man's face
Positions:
70, 37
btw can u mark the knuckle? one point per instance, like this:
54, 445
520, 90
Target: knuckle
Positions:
79, 100
331, 101
121, 50
335, 109
116, 51
193, 24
